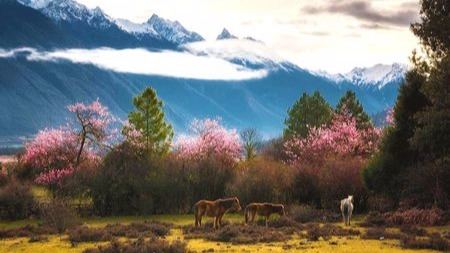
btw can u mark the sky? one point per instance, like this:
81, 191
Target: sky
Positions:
329, 35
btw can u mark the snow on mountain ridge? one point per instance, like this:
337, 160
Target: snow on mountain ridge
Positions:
172, 30
378, 75
225, 34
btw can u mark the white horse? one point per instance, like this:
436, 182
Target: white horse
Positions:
347, 209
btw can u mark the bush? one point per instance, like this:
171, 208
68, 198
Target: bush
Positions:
315, 231
422, 217
380, 204
141, 245
85, 234
435, 241
374, 219
262, 180
26, 231
58, 214
120, 185
16, 200
133, 230
380, 234
412, 230
239, 234
306, 213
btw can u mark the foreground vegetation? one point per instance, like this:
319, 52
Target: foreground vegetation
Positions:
181, 230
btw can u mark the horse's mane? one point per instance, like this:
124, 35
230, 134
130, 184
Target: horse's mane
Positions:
228, 202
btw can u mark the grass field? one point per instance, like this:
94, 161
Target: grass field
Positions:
296, 244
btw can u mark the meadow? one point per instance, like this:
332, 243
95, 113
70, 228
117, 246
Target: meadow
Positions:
61, 243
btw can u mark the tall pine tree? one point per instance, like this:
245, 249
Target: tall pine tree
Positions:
148, 119
416, 151
308, 111
350, 104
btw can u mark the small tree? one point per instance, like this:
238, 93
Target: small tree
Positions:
350, 104
250, 139
307, 112
149, 122
56, 154
92, 124
210, 139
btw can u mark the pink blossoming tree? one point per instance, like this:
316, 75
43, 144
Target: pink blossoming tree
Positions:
209, 138
56, 154
340, 138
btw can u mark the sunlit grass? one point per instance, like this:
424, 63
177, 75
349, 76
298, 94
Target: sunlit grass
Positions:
335, 245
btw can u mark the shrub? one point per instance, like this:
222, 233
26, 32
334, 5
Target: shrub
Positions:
380, 204
262, 180
26, 231
58, 214
306, 213
374, 219
234, 233
120, 185
133, 230
141, 245
412, 230
85, 234
435, 241
380, 234
423, 217
16, 200
315, 231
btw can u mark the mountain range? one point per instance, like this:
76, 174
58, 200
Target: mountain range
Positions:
36, 87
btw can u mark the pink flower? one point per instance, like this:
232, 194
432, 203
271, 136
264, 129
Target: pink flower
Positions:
54, 176
341, 137
209, 138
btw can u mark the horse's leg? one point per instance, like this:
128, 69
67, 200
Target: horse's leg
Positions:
267, 220
220, 220
215, 222
196, 216
253, 216
349, 215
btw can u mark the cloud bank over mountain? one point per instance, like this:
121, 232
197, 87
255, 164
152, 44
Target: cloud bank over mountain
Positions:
141, 61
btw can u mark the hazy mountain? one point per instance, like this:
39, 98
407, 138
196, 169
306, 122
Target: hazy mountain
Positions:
35, 90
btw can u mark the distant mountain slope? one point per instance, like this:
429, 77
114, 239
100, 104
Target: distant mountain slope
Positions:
33, 95
66, 24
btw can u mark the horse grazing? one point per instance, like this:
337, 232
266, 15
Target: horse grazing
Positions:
216, 209
262, 209
347, 209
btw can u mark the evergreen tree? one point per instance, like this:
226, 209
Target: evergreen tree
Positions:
308, 111
416, 150
431, 138
350, 104
148, 119
384, 172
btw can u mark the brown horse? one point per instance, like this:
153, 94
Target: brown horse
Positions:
262, 209
216, 209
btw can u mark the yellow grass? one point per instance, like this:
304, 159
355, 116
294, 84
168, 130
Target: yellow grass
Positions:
335, 245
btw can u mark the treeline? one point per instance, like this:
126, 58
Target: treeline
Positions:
324, 154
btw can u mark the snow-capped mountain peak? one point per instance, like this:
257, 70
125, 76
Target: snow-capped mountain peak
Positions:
225, 34
172, 30
70, 11
135, 28
376, 76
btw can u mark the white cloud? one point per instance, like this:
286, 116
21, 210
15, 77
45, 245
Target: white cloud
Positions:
142, 61
332, 42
